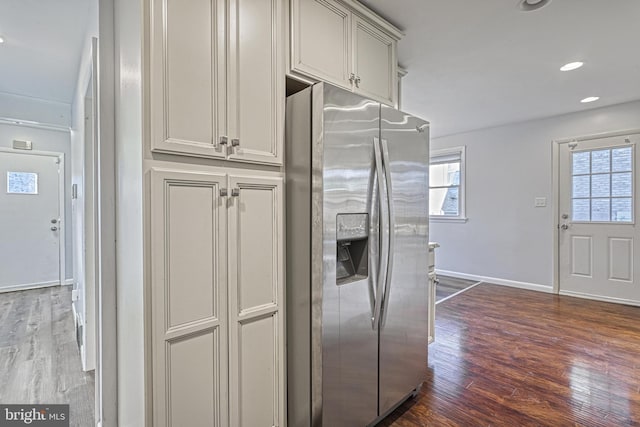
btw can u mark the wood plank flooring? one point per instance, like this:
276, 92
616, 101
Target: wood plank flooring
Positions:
511, 357
39, 357
448, 286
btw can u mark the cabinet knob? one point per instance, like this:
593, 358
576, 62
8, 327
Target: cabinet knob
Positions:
357, 80
224, 192
235, 192
224, 140
235, 142
352, 78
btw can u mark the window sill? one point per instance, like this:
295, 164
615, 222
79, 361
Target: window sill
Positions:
460, 220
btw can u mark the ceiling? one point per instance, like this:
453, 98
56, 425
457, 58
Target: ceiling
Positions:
477, 64
43, 45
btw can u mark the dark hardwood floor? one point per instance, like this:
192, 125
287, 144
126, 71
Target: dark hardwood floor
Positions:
39, 357
510, 357
448, 286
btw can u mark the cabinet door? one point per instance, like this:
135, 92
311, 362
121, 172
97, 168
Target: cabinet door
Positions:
374, 62
256, 302
256, 80
187, 77
188, 299
321, 40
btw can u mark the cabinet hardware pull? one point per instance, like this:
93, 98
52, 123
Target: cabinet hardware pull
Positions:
224, 192
224, 140
235, 142
352, 77
235, 192
358, 81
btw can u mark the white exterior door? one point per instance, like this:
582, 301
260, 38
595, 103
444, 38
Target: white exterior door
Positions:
29, 220
598, 213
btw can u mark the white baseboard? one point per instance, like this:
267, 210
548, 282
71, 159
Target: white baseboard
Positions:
498, 281
28, 286
600, 298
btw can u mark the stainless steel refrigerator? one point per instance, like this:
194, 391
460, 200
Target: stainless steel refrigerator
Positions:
357, 246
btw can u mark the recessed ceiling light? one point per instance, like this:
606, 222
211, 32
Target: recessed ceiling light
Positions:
590, 99
531, 5
1, 39
571, 66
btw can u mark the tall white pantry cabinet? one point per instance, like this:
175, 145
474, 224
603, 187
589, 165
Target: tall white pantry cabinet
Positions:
215, 288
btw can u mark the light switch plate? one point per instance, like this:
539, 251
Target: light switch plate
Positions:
540, 202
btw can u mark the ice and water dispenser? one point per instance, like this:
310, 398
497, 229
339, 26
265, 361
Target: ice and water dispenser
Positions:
352, 257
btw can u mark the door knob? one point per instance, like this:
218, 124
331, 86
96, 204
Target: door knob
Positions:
564, 227
53, 221
54, 228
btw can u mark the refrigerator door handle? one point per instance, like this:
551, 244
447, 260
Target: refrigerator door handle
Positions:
390, 229
384, 233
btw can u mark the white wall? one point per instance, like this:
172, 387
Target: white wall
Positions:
78, 209
24, 108
506, 237
47, 140
129, 223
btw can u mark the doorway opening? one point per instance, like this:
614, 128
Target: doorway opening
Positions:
49, 263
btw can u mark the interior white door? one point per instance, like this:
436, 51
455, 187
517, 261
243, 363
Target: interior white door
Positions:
29, 220
598, 208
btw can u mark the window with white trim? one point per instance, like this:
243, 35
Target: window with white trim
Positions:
447, 185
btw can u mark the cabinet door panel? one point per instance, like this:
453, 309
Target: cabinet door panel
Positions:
321, 45
256, 301
374, 62
189, 299
256, 80
187, 76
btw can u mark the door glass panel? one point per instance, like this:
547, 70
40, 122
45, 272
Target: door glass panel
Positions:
581, 209
600, 209
621, 210
581, 185
621, 159
600, 185
621, 184
581, 163
22, 183
600, 161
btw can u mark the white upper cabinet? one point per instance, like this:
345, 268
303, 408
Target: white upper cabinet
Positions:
256, 81
217, 79
187, 75
320, 44
346, 44
374, 62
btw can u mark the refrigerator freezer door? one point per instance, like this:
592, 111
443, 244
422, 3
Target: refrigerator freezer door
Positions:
349, 341
403, 329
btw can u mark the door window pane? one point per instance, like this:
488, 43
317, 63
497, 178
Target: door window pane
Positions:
600, 161
621, 184
581, 185
621, 159
22, 183
600, 209
621, 210
600, 185
581, 209
581, 163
